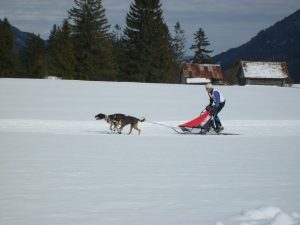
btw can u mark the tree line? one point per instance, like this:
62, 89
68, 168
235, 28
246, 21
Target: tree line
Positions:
84, 47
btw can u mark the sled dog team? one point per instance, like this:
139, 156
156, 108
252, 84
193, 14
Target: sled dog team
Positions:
118, 121
216, 103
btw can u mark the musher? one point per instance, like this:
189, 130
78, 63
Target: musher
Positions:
216, 103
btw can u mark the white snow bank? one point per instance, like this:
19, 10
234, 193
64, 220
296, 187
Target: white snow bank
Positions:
270, 215
283, 219
260, 213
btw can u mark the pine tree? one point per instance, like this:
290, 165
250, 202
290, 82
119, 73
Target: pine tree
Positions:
61, 54
149, 53
52, 49
201, 43
179, 42
92, 41
118, 52
8, 58
34, 58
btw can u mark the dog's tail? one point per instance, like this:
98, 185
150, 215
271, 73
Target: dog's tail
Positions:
142, 119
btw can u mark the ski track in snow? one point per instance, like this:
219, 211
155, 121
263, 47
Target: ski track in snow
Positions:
257, 128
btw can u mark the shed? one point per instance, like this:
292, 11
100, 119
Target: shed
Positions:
192, 73
262, 73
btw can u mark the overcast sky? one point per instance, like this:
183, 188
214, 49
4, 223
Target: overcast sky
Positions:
227, 23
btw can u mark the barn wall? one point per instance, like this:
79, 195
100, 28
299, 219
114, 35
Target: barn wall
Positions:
277, 82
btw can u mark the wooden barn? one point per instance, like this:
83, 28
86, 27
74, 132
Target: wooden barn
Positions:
262, 73
192, 73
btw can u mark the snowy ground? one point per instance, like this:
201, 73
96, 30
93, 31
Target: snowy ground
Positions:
59, 166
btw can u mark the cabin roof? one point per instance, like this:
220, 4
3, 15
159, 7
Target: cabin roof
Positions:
208, 71
266, 70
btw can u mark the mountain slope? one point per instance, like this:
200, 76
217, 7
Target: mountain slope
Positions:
21, 37
280, 42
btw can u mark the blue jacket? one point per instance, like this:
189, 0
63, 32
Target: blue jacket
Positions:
216, 98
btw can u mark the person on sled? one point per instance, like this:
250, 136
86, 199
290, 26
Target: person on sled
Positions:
216, 104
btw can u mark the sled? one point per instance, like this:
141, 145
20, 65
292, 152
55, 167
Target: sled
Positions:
203, 124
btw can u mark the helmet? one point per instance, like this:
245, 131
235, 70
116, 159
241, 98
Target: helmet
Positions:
209, 86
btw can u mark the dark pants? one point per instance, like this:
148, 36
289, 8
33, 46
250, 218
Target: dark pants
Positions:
215, 114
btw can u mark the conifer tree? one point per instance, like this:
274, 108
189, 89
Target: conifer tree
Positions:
61, 54
51, 50
92, 41
118, 53
149, 53
200, 47
179, 42
34, 57
8, 58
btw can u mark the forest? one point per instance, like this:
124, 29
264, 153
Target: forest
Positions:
86, 47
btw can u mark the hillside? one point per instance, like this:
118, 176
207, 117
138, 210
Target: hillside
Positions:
280, 42
59, 166
20, 37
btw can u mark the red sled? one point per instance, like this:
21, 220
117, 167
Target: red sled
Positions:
202, 123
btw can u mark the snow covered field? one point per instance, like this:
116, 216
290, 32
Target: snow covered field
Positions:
59, 166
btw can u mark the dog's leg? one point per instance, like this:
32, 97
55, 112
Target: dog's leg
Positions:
120, 129
113, 125
109, 122
116, 128
131, 126
136, 127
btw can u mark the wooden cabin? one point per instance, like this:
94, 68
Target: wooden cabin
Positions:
192, 73
262, 73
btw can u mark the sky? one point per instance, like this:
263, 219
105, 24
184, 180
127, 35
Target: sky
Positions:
227, 23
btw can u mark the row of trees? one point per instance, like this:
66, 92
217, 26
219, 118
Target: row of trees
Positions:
8, 58
84, 48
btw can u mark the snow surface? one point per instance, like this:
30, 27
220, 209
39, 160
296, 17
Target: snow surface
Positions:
264, 215
59, 166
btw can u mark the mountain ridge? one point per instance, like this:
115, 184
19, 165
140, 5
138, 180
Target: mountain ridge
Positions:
279, 42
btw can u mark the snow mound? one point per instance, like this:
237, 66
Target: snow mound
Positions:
284, 219
260, 213
264, 216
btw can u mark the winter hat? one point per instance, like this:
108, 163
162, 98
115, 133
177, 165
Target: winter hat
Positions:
209, 86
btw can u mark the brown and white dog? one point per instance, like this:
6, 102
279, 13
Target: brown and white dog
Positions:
112, 120
130, 120
118, 121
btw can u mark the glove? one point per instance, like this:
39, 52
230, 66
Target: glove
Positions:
208, 108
